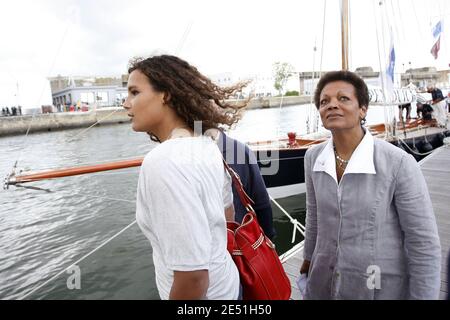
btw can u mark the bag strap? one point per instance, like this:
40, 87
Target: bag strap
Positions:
245, 198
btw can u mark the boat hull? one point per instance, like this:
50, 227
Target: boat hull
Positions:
290, 162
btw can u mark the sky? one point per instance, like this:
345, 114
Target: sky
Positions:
42, 38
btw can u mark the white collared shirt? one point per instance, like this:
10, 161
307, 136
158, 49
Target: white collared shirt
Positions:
361, 160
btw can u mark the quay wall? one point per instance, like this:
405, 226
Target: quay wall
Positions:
18, 125
274, 102
60, 121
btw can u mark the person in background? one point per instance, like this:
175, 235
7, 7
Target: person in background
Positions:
439, 105
402, 107
424, 111
370, 228
243, 161
448, 102
183, 188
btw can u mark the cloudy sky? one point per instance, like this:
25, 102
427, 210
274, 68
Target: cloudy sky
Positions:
41, 38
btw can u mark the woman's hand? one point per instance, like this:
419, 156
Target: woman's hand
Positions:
305, 267
229, 213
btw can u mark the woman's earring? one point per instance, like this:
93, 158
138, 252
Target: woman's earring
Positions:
363, 121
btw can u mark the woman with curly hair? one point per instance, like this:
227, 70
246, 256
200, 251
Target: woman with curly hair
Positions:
183, 188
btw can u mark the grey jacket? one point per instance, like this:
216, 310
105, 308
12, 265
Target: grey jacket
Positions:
373, 236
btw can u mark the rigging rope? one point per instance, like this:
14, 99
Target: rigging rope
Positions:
315, 111
388, 102
78, 261
380, 65
52, 65
394, 17
183, 39
312, 121
412, 151
417, 20
98, 121
323, 37
402, 25
297, 225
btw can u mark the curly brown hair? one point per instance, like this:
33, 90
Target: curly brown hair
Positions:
193, 96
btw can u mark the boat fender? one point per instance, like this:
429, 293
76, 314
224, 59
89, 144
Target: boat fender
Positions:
292, 136
447, 141
425, 146
439, 140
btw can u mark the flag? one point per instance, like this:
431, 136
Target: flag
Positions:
390, 71
435, 49
437, 30
391, 65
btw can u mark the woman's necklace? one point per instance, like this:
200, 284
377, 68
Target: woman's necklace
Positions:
339, 161
180, 132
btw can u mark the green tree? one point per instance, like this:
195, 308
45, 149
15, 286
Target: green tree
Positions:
291, 93
282, 71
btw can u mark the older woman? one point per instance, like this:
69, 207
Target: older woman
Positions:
370, 227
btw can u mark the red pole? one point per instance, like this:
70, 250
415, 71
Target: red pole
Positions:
68, 172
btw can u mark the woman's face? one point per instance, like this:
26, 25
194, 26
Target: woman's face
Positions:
339, 107
145, 106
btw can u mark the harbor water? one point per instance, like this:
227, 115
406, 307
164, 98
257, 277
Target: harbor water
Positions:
45, 230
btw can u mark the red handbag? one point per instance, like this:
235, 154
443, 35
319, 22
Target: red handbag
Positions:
261, 273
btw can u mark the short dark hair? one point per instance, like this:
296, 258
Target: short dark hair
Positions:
362, 92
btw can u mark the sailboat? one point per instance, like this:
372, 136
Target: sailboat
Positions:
291, 152
418, 137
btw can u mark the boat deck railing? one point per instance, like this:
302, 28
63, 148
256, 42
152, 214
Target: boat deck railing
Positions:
292, 258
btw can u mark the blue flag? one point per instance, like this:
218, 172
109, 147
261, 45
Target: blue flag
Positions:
391, 66
437, 30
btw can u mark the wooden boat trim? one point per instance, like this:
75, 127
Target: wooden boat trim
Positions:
67, 172
260, 146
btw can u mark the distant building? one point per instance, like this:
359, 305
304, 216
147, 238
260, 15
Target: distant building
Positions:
421, 77
102, 92
261, 85
307, 86
371, 78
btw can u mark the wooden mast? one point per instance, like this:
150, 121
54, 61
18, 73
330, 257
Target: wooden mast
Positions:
68, 172
344, 33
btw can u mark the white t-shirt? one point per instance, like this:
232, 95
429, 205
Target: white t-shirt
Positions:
182, 192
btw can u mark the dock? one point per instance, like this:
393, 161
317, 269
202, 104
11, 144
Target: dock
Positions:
436, 170
291, 265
